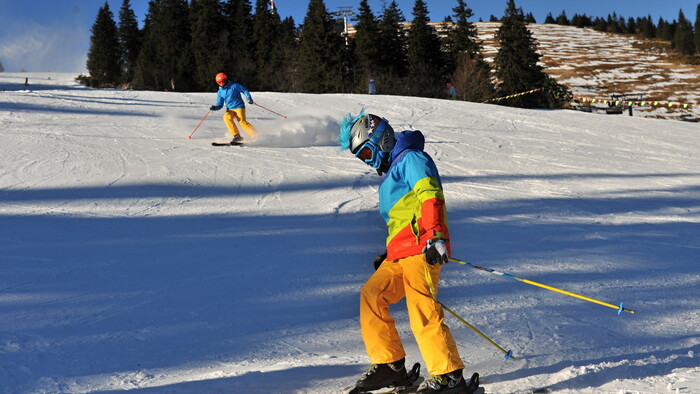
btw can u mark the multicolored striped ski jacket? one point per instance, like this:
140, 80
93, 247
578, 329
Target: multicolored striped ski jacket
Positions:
411, 200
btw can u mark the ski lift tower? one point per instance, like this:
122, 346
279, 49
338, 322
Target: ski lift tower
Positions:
344, 12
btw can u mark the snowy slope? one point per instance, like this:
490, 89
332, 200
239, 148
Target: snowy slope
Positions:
134, 258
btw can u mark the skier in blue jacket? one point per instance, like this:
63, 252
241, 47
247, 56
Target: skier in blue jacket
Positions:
230, 94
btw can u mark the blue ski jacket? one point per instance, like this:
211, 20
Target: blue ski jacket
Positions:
231, 95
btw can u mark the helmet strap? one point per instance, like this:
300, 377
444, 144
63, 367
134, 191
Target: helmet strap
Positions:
383, 167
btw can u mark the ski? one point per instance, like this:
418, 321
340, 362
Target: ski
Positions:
399, 390
413, 377
227, 144
472, 386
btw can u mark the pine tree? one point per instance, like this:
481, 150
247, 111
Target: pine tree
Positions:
241, 43
549, 19
581, 20
562, 19
129, 41
239, 15
516, 64
665, 30
102, 58
613, 23
209, 42
366, 50
529, 18
426, 64
470, 72
622, 25
463, 36
683, 38
144, 75
392, 50
268, 55
647, 28
286, 79
320, 51
600, 24
166, 61
2, 69
697, 29
631, 26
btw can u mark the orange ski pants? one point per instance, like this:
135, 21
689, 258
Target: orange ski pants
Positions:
393, 281
239, 115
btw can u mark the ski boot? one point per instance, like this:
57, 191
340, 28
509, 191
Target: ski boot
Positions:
450, 383
381, 375
237, 139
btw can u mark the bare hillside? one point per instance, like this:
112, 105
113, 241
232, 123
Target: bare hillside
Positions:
596, 65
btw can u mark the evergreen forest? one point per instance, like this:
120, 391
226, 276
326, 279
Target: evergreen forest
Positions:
184, 44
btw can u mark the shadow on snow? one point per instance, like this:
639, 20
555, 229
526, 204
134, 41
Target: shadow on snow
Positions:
159, 292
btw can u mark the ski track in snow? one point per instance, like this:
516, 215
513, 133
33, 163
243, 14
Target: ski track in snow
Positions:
136, 259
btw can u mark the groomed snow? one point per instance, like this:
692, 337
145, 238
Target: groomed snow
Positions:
133, 258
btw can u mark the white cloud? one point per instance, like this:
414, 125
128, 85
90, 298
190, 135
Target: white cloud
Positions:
35, 48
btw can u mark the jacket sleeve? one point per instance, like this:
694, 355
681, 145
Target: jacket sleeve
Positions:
246, 93
219, 99
432, 213
425, 182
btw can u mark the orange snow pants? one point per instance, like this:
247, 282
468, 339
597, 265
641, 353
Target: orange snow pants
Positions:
388, 285
239, 115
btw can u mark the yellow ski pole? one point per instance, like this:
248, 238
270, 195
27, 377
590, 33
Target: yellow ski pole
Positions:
619, 308
506, 353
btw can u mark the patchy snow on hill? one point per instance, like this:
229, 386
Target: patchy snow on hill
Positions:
594, 64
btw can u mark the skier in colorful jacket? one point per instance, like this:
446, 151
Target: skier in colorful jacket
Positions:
412, 203
230, 94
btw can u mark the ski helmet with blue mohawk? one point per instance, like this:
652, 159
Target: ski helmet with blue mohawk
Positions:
369, 137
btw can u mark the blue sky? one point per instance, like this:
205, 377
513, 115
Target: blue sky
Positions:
43, 35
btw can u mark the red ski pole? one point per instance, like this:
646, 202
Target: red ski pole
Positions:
270, 110
200, 122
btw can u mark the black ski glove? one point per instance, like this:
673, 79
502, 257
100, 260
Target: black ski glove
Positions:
379, 260
436, 251
214, 108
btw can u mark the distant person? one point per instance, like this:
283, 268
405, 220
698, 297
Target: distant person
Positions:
452, 91
230, 95
372, 88
26, 81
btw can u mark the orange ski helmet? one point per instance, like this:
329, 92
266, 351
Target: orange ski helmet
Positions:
221, 79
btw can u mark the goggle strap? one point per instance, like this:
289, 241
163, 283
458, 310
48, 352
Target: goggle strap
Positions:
378, 131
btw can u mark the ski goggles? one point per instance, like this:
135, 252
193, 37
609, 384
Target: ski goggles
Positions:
369, 152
